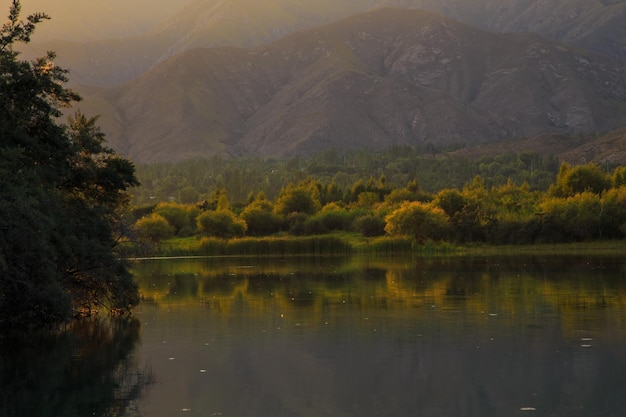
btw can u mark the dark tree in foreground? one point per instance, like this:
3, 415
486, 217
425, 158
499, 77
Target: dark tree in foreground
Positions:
61, 190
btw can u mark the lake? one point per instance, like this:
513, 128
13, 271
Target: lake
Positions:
336, 336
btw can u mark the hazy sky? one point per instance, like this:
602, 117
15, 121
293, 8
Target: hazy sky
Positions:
96, 19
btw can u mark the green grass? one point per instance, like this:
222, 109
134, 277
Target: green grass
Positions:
338, 243
309, 245
603, 247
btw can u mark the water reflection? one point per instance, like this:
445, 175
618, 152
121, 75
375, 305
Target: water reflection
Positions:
86, 370
540, 336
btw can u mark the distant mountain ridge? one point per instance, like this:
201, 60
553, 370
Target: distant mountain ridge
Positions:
380, 78
597, 25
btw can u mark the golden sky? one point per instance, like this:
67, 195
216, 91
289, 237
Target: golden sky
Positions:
81, 20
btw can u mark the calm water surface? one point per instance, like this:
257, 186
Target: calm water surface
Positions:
481, 336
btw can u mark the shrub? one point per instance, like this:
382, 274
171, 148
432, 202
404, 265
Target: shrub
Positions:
422, 221
180, 216
221, 223
261, 221
154, 228
333, 217
369, 225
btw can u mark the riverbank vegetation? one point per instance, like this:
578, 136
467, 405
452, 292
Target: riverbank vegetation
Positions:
583, 203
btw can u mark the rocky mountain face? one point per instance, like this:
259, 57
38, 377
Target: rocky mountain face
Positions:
597, 25
385, 77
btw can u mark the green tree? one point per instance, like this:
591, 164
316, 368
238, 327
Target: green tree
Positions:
260, 217
61, 191
296, 200
367, 199
221, 223
573, 180
188, 195
451, 201
472, 221
619, 177
154, 228
369, 225
422, 221
613, 216
181, 216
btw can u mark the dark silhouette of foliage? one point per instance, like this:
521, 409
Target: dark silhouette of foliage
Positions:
61, 191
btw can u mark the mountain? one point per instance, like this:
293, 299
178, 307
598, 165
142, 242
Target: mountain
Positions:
380, 78
608, 148
597, 25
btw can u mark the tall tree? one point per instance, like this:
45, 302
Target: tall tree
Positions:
61, 190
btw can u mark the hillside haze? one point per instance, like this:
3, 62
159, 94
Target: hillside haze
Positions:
83, 21
113, 42
385, 77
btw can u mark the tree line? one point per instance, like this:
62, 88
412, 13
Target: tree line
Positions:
584, 202
434, 167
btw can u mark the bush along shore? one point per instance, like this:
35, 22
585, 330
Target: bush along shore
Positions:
354, 244
586, 203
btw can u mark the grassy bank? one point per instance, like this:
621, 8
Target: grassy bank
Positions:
352, 243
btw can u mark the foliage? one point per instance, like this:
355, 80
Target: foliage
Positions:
298, 199
221, 223
260, 217
578, 179
421, 221
334, 217
619, 177
61, 193
308, 245
154, 228
182, 217
341, 176
369, 225
508, 213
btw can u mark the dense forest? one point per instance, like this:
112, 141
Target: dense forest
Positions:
433, 168
508, 199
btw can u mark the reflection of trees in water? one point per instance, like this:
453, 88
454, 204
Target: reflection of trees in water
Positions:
87, 370
475, 284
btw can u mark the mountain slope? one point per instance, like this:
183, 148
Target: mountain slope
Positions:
609, 148
380, 78
598, 25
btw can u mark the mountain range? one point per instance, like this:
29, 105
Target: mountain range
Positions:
135, 36
390, 76
274, 78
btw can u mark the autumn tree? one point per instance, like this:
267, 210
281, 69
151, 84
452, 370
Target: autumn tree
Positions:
419, 220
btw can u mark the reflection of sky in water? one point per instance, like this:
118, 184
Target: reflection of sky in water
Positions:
368, 338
